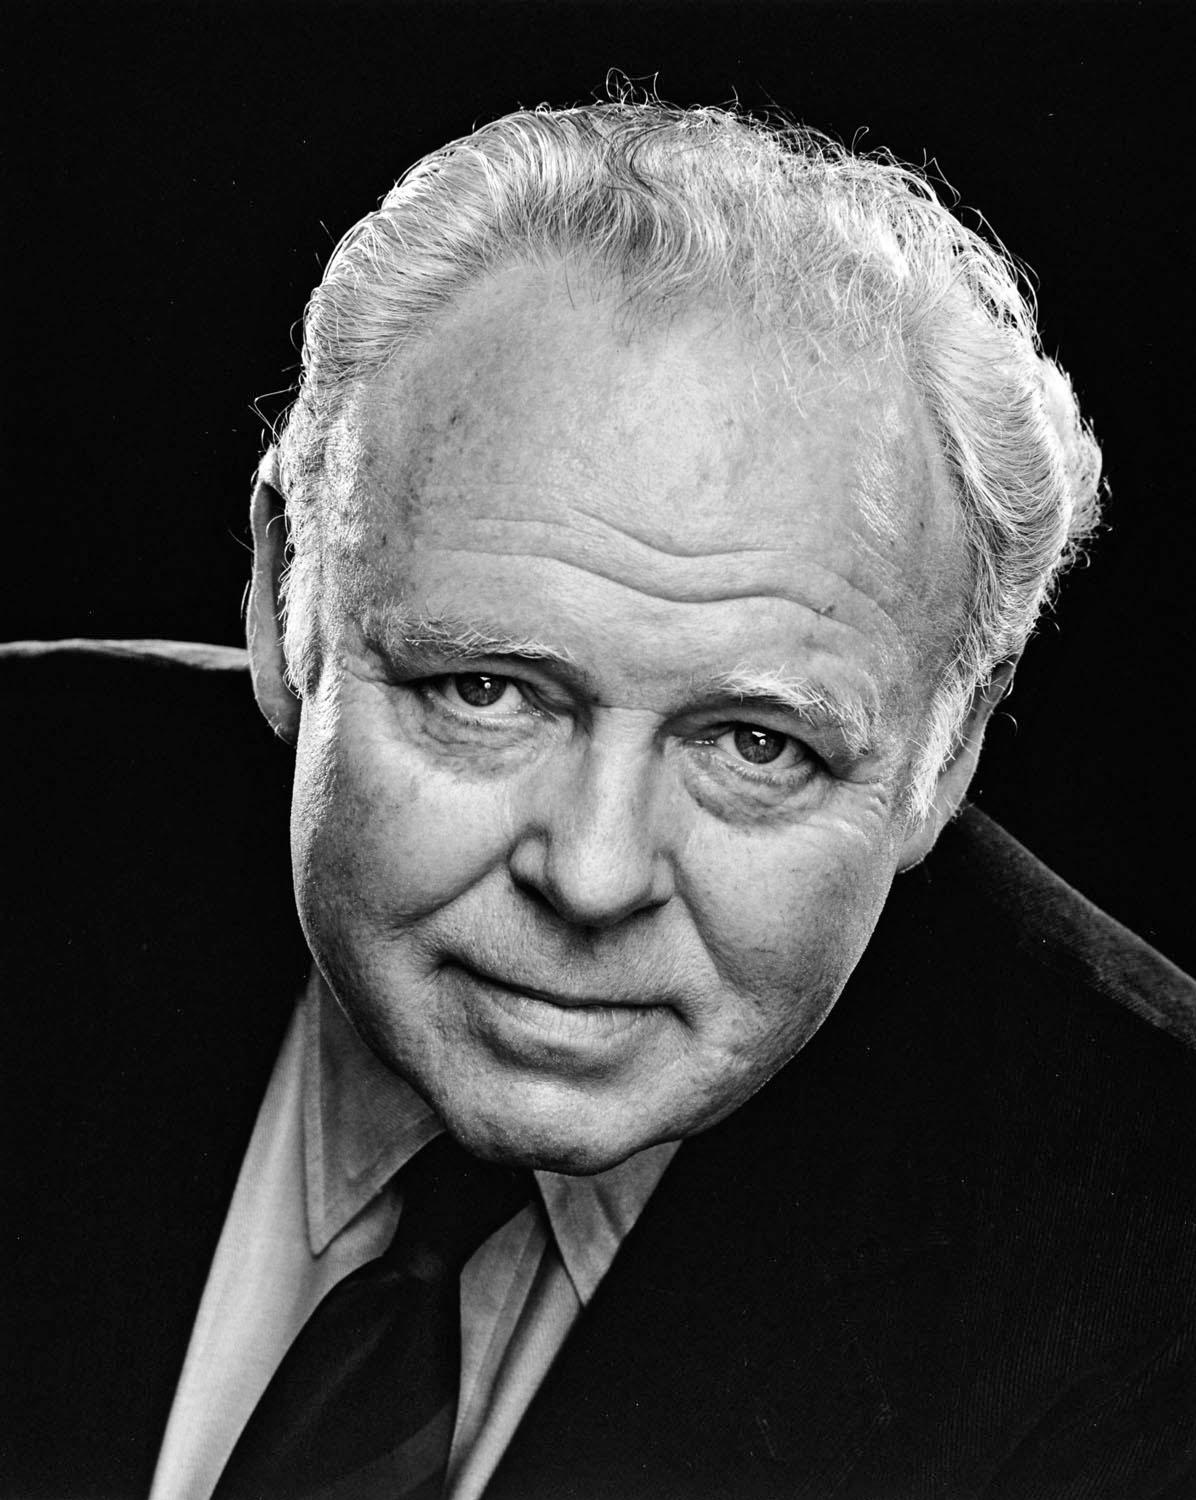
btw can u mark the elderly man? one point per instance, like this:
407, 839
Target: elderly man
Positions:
684, 1100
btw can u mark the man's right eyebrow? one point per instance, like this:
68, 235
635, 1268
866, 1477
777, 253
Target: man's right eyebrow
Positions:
405, 638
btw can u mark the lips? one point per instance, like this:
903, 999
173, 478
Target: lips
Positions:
553, 997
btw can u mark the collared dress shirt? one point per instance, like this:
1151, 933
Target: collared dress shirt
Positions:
315, 1200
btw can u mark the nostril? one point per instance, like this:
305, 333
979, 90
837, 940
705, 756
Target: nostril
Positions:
534, 892
592, 895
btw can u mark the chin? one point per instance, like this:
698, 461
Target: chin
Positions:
578, 1140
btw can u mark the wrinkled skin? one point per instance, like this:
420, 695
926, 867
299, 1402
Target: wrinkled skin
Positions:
591, 900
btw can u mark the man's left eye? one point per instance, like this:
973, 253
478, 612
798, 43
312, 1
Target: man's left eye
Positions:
761, 747
480, 691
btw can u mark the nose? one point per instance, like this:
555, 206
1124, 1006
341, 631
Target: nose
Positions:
591, 840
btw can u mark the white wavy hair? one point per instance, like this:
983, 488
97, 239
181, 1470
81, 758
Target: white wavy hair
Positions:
778, 224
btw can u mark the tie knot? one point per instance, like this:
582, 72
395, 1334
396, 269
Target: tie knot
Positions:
452, 1203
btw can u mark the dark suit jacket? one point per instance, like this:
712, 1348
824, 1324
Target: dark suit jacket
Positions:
948, 1251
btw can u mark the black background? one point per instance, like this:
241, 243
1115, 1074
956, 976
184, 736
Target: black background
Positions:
177, 176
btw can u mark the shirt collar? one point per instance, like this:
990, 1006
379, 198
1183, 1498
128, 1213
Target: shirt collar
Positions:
362, 1124
591, 1216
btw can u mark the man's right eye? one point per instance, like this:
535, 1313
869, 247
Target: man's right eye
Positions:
478, 694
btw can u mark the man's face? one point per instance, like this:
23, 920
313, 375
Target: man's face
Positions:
568, 848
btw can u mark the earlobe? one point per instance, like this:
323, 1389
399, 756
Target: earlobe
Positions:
956, 776
263, 624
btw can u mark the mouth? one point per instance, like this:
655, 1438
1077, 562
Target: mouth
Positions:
559, 1018
551, 997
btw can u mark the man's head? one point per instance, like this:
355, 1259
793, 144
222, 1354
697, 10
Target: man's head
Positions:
667, 499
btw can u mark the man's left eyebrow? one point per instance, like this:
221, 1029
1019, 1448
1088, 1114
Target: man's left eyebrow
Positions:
816, 702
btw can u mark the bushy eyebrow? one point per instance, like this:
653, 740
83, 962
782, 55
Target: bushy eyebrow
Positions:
817, 702
401, 634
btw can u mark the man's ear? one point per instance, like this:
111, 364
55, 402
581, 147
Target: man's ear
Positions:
956, 776
263, 624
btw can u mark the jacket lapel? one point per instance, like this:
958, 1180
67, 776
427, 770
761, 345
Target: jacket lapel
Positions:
672, 1383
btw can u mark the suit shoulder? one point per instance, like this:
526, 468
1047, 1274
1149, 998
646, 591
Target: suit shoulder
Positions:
1055, 930
147, 770
39, 671
118, 709
149, 885
1045, 1015
81, 651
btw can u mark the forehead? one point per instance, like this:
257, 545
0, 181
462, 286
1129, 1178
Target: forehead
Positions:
532, 441
537, 370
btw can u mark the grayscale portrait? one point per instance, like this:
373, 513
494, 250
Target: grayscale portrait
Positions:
548, 1015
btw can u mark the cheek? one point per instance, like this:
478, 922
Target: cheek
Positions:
786, 918
380, 838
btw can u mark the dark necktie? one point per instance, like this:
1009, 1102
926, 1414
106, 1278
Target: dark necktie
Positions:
365, 1400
